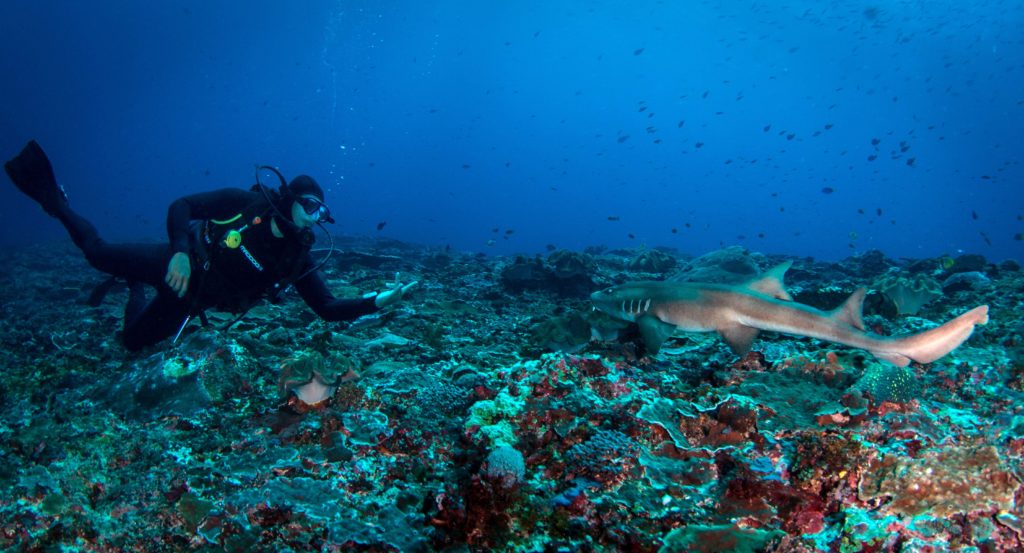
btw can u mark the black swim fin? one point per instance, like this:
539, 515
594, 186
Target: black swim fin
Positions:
100, 291
32, 174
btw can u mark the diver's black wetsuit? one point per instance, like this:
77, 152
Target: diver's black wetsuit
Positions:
222, 276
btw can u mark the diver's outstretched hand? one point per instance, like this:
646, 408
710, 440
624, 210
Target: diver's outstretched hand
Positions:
393, 295
178, 272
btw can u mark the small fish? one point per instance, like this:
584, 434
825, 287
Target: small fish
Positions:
632, 237
680, 124
705, 95
878, 211
974, 215
622, 138
1019, 237
985, 238
910, 161
827, 190
380, 225
509, 231
638, 51
872, 157
828, 126
699, 144
613, 217
676, 231
767, 128
875, 141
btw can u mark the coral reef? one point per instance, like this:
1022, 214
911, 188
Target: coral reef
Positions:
493, 411
652, 261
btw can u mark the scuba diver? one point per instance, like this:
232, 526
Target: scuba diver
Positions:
228, 248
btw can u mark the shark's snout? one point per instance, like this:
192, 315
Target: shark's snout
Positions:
620, 303
603, 301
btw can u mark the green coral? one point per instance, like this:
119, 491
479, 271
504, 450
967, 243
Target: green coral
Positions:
909, 292
568, 333
490, 417
889, 383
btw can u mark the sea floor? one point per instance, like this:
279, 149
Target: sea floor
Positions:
493, 410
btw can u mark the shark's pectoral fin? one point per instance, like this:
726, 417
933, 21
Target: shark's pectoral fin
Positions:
739, 338
654, 332
897, 359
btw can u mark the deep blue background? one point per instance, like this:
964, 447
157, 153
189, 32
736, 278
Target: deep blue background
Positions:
541, 119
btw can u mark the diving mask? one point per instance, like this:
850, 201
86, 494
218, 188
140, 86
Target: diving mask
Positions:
316, 209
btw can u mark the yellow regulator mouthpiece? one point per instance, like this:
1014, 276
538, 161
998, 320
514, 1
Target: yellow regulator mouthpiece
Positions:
233, 239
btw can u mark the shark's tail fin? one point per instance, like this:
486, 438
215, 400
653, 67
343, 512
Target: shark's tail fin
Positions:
930, 345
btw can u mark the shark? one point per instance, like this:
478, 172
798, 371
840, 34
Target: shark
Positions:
739, 312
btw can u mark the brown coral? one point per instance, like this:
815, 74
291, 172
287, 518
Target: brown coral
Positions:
944, 482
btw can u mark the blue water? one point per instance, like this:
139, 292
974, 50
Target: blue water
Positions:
504, 129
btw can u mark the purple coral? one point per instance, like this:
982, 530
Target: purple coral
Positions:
505, 465
605, 457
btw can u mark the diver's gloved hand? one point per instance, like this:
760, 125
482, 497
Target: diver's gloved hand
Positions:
393, 295
178, 272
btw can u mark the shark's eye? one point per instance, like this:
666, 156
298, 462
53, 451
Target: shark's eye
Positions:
608, 291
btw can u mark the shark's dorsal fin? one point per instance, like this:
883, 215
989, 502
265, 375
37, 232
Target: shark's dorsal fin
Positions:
850, 311
654, 331
771, 282
739, 337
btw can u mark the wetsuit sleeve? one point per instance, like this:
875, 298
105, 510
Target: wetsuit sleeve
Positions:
314, 292
216, 204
